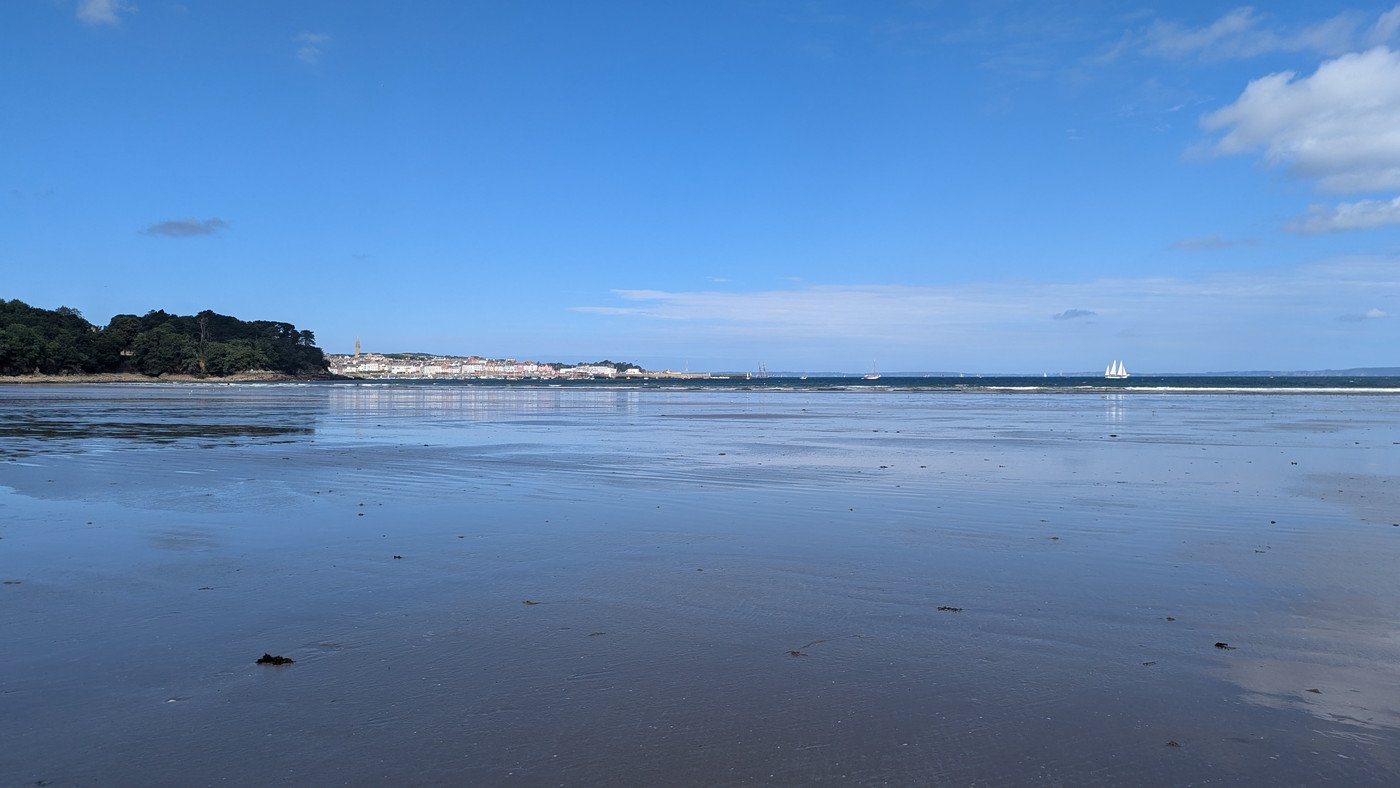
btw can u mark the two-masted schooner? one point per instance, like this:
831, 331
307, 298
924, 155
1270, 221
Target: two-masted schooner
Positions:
1115, 370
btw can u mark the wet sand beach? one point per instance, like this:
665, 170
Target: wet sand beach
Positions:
604, 585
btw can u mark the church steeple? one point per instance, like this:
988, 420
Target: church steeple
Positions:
357, 346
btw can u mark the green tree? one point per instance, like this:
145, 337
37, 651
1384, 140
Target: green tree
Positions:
118, 337
22, 349
236, 355
68, 352
164, 350
61, 340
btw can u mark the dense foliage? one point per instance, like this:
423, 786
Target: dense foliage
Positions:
61, 341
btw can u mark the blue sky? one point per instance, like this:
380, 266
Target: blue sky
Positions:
982, 187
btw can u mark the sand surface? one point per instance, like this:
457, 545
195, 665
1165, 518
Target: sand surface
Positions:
731, 588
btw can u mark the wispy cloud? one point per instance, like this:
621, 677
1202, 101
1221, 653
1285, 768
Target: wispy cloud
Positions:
1362, 215
1370, 314
103, 12
311, 47
1283, 317
1385, 27
185, 228
40, 194
839, 308
1072, 314
894, 310
1243, 33
1210, 242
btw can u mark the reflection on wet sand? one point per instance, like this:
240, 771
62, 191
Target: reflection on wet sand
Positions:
479, 586
83, 418
40, 435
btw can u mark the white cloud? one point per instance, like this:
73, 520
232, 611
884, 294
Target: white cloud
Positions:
879, 309
1363, 215
1275, 317
1242, 33
1338, 127
1385, 27
312, 46
103, 12
1370, 314
1341, 125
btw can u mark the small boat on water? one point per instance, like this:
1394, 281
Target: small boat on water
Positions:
1115, 371
874, 373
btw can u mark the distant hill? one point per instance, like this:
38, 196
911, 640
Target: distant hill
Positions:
61, 341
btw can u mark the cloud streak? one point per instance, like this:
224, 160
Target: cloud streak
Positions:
1370, 314
1385, 27
1279, 311
1343, 217
1072, 314
1210, 242
1243, 33
103, 12
312, 46
186, 228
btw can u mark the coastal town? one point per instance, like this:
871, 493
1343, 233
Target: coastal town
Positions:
426, 366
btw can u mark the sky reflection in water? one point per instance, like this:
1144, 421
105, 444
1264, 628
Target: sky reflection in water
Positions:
682, 545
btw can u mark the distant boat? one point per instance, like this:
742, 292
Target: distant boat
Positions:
1115, 371
874, 373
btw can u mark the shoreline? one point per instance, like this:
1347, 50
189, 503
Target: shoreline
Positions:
136, 377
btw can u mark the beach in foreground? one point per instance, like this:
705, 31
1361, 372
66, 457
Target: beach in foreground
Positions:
545, 586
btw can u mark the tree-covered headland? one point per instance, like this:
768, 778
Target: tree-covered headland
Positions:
61, 341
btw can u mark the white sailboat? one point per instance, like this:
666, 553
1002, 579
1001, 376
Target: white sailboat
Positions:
1115, 371
874, 373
